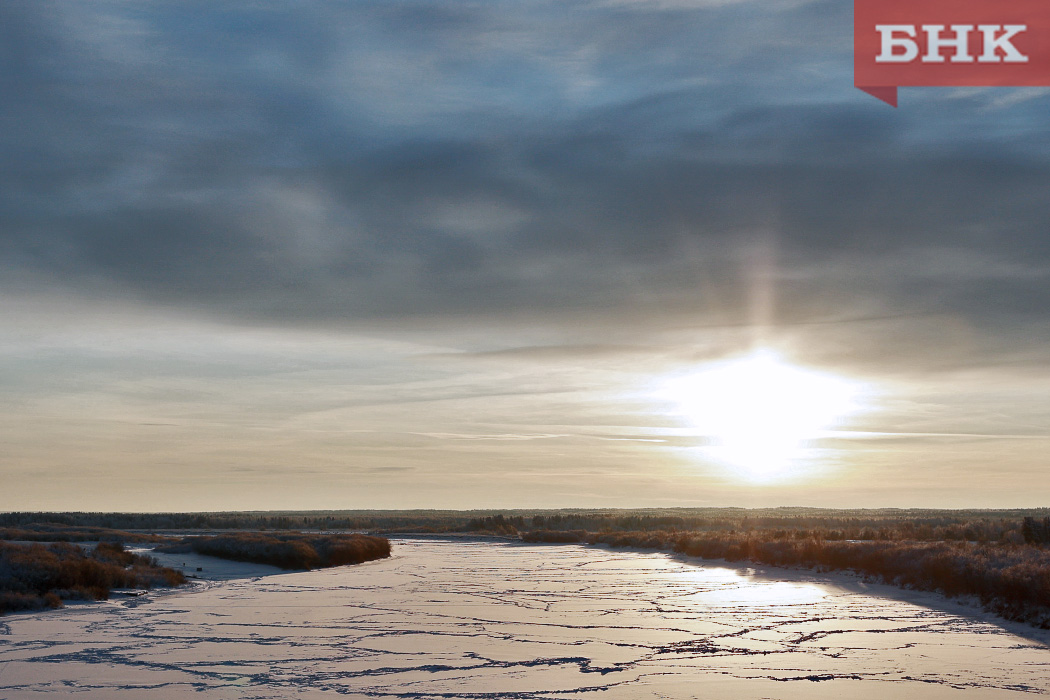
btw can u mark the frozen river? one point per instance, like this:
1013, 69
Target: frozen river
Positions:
492, 620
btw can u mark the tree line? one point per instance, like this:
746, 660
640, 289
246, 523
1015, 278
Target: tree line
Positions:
888, 523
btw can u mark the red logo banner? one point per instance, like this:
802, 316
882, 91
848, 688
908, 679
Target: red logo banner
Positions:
970, 43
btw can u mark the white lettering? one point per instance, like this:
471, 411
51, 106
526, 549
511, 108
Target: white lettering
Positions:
993, 43
891, 42
934, 43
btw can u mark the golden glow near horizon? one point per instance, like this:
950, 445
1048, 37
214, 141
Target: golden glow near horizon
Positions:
760, 412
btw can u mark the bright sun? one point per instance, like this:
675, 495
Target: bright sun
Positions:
760, 412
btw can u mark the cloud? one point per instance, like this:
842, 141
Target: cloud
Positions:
498, 437
338, 165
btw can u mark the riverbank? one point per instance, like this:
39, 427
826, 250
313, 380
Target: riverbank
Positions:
1010, 580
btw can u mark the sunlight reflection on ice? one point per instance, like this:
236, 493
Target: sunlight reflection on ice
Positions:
727, 586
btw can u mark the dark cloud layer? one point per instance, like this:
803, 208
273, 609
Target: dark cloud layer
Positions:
340, 162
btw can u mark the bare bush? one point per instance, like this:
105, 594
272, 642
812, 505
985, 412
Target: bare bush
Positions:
35, 576
292, 550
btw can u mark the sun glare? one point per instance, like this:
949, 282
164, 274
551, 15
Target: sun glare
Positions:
760, 412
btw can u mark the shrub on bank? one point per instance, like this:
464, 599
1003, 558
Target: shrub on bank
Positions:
292, 550
58, 532
35, 576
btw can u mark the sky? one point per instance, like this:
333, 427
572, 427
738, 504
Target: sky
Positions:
488, 254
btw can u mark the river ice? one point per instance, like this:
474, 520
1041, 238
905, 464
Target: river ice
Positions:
457, 619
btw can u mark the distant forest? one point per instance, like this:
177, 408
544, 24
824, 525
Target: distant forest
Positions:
918, 524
